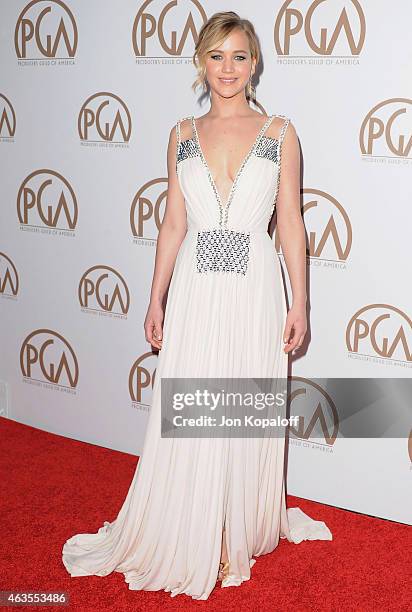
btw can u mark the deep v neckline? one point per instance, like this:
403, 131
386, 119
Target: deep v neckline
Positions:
241, 167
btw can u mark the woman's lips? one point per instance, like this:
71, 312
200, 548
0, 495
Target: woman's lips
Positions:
227, 81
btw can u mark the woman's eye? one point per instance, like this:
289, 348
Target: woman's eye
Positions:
218, 56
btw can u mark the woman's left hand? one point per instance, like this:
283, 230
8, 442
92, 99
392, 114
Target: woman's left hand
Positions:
296, 323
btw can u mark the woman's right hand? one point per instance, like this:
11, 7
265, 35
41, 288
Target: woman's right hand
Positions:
153, 325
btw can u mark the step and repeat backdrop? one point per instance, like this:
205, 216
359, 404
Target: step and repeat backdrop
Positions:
88, 94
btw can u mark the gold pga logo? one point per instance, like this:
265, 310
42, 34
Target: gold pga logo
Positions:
168, 28
327, 225
46, 199
380, 330
7, 118
318, 419
386, 129
46, 356
105, 117
147, 210
142, 378
104, 289
299, 25
9, 279
46, 29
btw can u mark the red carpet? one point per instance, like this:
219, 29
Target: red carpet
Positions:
53, 487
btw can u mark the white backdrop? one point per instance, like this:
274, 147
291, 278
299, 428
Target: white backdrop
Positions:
88, 95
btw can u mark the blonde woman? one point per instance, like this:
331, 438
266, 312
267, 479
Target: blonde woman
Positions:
200, 508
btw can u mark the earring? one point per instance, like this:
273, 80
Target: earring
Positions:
251, 89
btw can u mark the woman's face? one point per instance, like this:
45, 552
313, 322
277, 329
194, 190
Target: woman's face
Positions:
229, 66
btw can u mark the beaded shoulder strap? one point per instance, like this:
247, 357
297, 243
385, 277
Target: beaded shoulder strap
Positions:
178, 137
178, 133
283, 128
280, 140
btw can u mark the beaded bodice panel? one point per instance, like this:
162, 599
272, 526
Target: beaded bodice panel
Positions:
267, 147
224, 244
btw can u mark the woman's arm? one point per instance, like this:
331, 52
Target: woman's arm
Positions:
170, 237
292, 238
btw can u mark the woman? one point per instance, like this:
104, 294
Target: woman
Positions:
199, 509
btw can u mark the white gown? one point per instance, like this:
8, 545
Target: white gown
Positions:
224, 317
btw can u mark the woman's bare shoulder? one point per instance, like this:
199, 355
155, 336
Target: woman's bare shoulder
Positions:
278, 123
186, 128
183, 124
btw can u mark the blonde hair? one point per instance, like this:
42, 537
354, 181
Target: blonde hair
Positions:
213, 32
